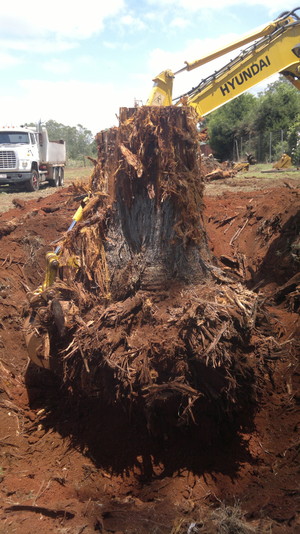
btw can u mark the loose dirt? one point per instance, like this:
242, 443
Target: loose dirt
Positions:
68, 468
8, 193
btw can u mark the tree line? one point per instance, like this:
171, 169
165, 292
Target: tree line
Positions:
250, 117
80, 141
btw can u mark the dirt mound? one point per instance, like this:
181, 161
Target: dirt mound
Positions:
212, 169
259, 232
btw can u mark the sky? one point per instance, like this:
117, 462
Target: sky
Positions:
78, 63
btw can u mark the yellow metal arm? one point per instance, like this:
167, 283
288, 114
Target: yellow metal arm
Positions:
274, 49
293, 74
249, 38
161, 94
52, 265
250, 68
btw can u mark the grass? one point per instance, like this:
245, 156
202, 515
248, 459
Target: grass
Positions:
256, 178
262, 170
73, 174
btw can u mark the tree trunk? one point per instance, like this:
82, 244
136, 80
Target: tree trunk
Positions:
150, 168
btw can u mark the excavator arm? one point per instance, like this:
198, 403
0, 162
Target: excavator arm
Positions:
274, 49
292, 74
248, 69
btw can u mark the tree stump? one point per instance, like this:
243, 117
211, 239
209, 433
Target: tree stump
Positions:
150, 168
152, 324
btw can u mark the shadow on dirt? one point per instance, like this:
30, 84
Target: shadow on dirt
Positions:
118, 440
282, 259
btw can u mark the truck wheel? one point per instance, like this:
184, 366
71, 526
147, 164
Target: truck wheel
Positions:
55, 181
34, 183
61, 176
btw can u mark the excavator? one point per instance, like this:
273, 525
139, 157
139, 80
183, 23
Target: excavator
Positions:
274, 48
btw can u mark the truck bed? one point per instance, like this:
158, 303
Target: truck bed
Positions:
53, 152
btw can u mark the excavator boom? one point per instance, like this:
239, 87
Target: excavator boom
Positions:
275, 48
251, 67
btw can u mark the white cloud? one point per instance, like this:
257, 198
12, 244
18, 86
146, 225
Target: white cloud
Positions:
94, 105
273, 6
133, 23
8, 60
179, 22
57, 66
151, 16
86, 61
112, 45
66, 18
117, 45
39, 46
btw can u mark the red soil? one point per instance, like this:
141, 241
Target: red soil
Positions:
67, 469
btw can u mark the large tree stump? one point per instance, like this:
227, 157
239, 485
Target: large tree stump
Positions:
152, 323
150, 168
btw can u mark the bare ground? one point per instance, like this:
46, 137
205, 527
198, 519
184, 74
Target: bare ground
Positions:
9, 193
66, 468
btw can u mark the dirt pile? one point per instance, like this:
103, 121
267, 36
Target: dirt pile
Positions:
212, 169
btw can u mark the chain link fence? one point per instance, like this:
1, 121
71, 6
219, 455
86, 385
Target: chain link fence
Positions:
266, 147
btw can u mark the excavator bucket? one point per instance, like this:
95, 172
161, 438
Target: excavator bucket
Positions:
46, 307
38, 343
283, 163
47, 319
36, 338
241, 166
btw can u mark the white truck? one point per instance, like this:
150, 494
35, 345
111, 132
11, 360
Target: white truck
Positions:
28, 158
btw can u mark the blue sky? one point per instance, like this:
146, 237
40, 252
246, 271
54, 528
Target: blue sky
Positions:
78, 63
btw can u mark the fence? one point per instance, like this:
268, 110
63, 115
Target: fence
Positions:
266, 147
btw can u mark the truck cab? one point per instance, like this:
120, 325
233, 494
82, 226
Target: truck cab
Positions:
28, 157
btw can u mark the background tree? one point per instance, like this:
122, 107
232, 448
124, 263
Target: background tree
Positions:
230, 121
277, 107
294, 140
276, 110
80, 141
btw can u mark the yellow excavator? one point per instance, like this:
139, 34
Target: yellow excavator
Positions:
274, 48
